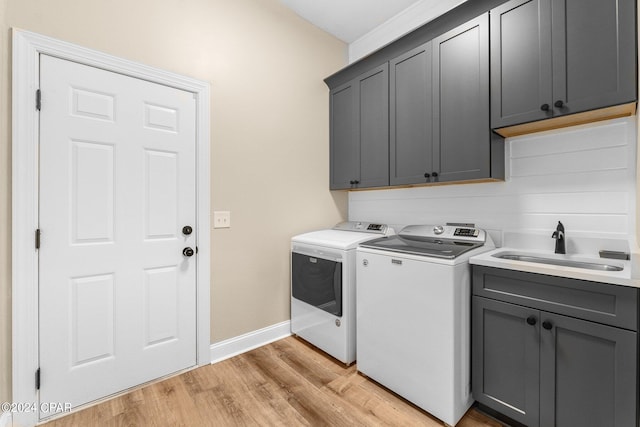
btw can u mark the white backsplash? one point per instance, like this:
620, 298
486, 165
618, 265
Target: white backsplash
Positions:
584, 176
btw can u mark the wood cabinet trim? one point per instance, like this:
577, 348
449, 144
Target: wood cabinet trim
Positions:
614, 112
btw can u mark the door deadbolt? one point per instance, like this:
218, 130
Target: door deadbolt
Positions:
365, 262
187, 252
186, 230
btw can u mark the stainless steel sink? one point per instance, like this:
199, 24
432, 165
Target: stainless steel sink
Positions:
562, 262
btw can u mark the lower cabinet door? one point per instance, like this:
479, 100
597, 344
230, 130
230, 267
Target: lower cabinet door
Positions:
587, 373
505, 343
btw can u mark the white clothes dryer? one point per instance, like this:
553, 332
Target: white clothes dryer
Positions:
323, 277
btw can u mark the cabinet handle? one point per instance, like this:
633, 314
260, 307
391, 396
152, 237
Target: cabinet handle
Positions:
531, 320
544, 107
434, 174
356, 182
427, 175
559, 104
547, 325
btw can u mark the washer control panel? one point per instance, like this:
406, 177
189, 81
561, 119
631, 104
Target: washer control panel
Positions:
464, 232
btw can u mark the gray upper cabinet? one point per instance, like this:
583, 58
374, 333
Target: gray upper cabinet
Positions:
359, 146
439, 104
520, 62
345, 144
461, 127
411, 117
594, 54
552, 58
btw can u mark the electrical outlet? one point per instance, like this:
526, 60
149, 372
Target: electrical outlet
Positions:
221, 219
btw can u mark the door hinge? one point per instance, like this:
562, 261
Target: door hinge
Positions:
38, 379
38, 99
38, 238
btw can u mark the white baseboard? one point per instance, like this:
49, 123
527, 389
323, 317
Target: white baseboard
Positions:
233, 346
6, 420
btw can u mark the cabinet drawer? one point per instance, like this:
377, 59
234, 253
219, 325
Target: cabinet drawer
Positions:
598, 302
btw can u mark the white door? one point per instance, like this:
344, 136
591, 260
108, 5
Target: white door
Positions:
117, 185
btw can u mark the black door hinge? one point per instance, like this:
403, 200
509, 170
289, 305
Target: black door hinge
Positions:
38, 379
38, 99
38, 238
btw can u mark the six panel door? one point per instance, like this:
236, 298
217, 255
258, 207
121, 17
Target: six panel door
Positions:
117, 185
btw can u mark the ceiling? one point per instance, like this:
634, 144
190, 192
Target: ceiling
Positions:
348, 20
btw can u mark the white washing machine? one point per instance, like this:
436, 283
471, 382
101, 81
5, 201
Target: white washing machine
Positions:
414, 314
323, 286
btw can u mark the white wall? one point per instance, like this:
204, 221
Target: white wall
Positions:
269, 132
583, 176
399, 25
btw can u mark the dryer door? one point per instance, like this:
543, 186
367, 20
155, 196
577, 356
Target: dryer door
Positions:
317, 282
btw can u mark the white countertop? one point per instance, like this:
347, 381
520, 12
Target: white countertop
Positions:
613, 277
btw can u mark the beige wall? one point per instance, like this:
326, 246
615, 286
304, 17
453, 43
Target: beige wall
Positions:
269, 127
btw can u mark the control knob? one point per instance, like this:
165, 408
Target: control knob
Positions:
438, 229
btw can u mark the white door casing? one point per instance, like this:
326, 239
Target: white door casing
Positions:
117, 185
27, 47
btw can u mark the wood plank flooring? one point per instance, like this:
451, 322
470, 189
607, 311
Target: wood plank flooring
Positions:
286, 383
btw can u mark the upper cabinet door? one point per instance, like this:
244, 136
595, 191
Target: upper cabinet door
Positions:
521, 62
373, 98
554, 58
411, 114
344, 138
594, 54
462, 137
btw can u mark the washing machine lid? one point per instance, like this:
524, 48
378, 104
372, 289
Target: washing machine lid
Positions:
344, 236
426, 247
448, 241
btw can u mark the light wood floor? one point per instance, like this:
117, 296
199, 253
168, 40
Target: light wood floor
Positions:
286, 383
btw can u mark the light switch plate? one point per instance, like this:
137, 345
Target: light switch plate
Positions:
221, 219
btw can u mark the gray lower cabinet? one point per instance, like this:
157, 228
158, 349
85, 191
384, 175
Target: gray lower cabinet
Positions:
506, 359
359, 147
552, 58
549, 351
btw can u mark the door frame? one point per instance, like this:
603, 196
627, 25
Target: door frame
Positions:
27, 46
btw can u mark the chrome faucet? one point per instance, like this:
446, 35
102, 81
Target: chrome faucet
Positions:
559, 236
